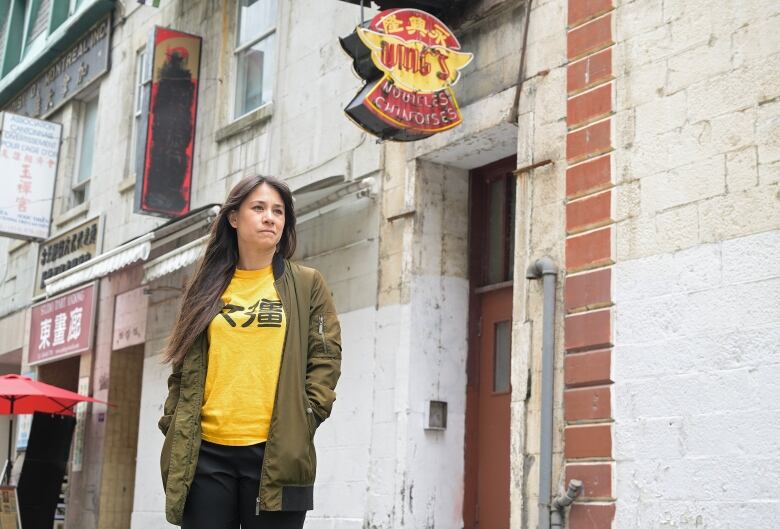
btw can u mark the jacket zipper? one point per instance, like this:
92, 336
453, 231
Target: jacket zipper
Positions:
322, 334
273, 414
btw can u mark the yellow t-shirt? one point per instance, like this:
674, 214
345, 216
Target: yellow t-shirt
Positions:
245, 353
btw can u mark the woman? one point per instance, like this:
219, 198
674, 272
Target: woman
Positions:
256, 355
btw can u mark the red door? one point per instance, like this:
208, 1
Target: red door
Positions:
486, 503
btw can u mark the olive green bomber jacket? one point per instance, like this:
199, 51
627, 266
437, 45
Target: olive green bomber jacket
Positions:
310, 369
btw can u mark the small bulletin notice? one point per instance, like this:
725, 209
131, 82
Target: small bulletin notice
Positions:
9, 508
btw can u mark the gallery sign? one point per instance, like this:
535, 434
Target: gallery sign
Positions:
73, 71
168, 133
62, 327
130, 318
29, 151
410, 61
65, 251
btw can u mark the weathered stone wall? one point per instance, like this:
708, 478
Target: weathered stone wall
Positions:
696, 281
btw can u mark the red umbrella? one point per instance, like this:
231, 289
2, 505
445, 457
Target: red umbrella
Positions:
20, 395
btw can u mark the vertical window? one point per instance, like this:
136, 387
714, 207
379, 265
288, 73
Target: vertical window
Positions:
40, 21
86, 151
500, 230
5, 17
141, 80
74, 5
502, 354
255, 52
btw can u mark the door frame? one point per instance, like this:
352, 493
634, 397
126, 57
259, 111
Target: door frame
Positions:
477, 272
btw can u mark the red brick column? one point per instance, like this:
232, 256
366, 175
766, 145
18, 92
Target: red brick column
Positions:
590, 204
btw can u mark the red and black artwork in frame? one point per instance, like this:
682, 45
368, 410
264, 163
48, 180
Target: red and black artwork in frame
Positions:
170, 138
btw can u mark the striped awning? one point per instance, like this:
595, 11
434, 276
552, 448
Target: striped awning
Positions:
174, 260
101, 265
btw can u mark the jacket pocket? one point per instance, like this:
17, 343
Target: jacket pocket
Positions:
324, 336
311, 419
165, 453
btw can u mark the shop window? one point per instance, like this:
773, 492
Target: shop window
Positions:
255, 54
86, 151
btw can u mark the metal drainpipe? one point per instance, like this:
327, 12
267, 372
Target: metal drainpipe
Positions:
546, 269
562, 501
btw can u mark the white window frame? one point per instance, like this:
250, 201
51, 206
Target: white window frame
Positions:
142, 79
239, 49
75, 185
30, 47
74, 6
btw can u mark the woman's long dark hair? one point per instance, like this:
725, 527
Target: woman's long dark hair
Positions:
202, 299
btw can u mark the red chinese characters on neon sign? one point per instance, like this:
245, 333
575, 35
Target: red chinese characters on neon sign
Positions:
62, 327
416, 60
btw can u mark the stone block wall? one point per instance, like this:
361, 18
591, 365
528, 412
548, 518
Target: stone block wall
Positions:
695, 284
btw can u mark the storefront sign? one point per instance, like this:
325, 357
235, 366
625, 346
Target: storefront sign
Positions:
165, 182
29, 151
74, 70
66, 251
416, 59
130, 318
63, 326
81, 425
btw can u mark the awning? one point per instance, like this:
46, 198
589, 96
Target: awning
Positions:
174, 260
133, 251
102, 265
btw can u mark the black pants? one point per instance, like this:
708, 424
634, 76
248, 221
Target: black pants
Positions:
224, 491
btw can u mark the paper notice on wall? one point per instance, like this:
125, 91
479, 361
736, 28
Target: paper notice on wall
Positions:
9, 508
81, 424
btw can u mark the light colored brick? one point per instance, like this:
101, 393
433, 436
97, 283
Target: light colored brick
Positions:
727, 92
742, 169
683, 185
690, 270
739, 213
692, 65
661, 115
752, 257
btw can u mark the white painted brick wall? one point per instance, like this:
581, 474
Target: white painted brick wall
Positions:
697, 279
696, 365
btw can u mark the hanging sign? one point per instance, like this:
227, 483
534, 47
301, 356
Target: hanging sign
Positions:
168, 137
410, 61
29, 151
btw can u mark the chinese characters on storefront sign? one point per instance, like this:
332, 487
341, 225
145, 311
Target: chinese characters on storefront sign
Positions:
73, 71
62, 326
414, 61
65, 251
29, 151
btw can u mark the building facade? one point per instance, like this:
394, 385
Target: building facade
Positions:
636, 144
